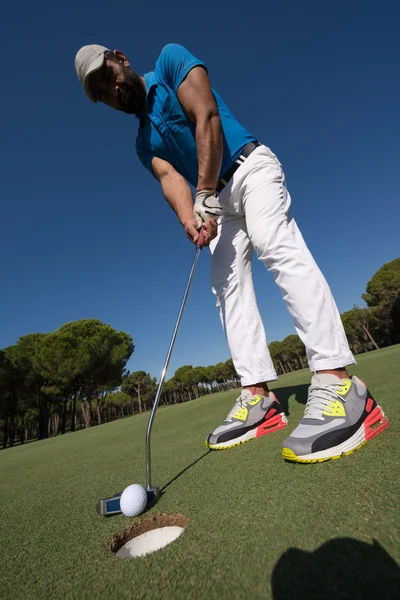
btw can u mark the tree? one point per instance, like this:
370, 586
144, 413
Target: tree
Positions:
383, 292
170, 392
212, 376
384, 287
118, 405
183, 378
198, 377
360, 325
59, 365
97, 354
277, 355
137, 384
231, 371
396, 319
28, 381
9, 379
296, 350
222, 374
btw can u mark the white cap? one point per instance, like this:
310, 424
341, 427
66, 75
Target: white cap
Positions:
88, 60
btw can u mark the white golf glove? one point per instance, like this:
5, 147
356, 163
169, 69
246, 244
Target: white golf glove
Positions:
206, 206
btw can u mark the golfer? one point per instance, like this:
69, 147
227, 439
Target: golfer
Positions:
187, 135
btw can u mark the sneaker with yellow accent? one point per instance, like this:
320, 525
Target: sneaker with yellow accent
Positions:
252, 416
340, 416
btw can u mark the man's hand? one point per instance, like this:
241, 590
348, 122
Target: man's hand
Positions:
206, 207
193, 233
179, 196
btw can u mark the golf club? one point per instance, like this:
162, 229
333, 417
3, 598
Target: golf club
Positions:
111, 506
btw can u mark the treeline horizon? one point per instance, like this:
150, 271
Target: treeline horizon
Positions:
75, 377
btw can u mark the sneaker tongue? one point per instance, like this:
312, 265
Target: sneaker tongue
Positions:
246, 394
324, 379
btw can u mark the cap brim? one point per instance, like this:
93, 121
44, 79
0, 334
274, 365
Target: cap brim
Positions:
95, 66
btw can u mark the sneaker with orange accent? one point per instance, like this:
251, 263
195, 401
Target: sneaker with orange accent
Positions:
252, 416
340, 416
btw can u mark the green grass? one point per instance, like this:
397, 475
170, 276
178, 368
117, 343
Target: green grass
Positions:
252, 517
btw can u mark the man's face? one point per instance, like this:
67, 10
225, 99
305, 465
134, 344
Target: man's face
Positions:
118, 86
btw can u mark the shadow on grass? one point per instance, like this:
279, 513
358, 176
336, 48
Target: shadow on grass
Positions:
184, 470
341, 569
283, 394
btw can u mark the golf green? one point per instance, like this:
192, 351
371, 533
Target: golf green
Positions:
258, 527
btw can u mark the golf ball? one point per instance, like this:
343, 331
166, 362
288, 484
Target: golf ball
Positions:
133, 500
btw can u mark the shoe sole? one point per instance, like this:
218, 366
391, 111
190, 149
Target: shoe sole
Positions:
275, 423
375, 423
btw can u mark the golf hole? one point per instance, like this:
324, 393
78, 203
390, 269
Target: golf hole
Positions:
148, 535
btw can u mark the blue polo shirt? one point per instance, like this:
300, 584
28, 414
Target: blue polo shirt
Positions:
166, 132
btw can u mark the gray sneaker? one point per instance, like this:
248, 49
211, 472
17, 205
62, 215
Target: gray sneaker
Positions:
340, 416
251, 417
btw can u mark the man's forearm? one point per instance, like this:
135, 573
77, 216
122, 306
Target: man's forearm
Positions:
178, 195
209, 150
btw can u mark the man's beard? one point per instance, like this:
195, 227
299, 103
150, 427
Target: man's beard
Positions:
133, 94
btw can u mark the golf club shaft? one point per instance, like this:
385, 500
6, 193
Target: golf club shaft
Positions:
199, 247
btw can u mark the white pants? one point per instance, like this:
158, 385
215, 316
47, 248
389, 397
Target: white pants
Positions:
256, 216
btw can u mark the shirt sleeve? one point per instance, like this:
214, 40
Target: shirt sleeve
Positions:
174, 63
145, 156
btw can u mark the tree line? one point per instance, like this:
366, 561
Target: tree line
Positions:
75, 377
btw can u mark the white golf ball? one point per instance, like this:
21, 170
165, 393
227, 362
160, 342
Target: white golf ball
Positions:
133, 500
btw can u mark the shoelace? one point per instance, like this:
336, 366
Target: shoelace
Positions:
318, 399
241, 401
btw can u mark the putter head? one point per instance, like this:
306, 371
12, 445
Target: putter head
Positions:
108, 507
153, 494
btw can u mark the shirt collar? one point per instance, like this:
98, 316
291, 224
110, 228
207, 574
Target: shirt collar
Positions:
151, 81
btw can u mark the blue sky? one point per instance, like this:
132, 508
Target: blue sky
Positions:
85, 231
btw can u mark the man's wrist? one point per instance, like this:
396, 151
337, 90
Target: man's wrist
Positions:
189, 220
206, 188
186, 216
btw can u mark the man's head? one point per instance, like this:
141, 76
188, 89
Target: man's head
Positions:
106, 76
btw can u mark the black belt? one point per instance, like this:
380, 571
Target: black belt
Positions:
245, 153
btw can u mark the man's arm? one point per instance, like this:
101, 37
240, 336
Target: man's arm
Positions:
179, 196
197, 100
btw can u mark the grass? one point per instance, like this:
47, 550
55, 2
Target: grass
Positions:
258, 527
